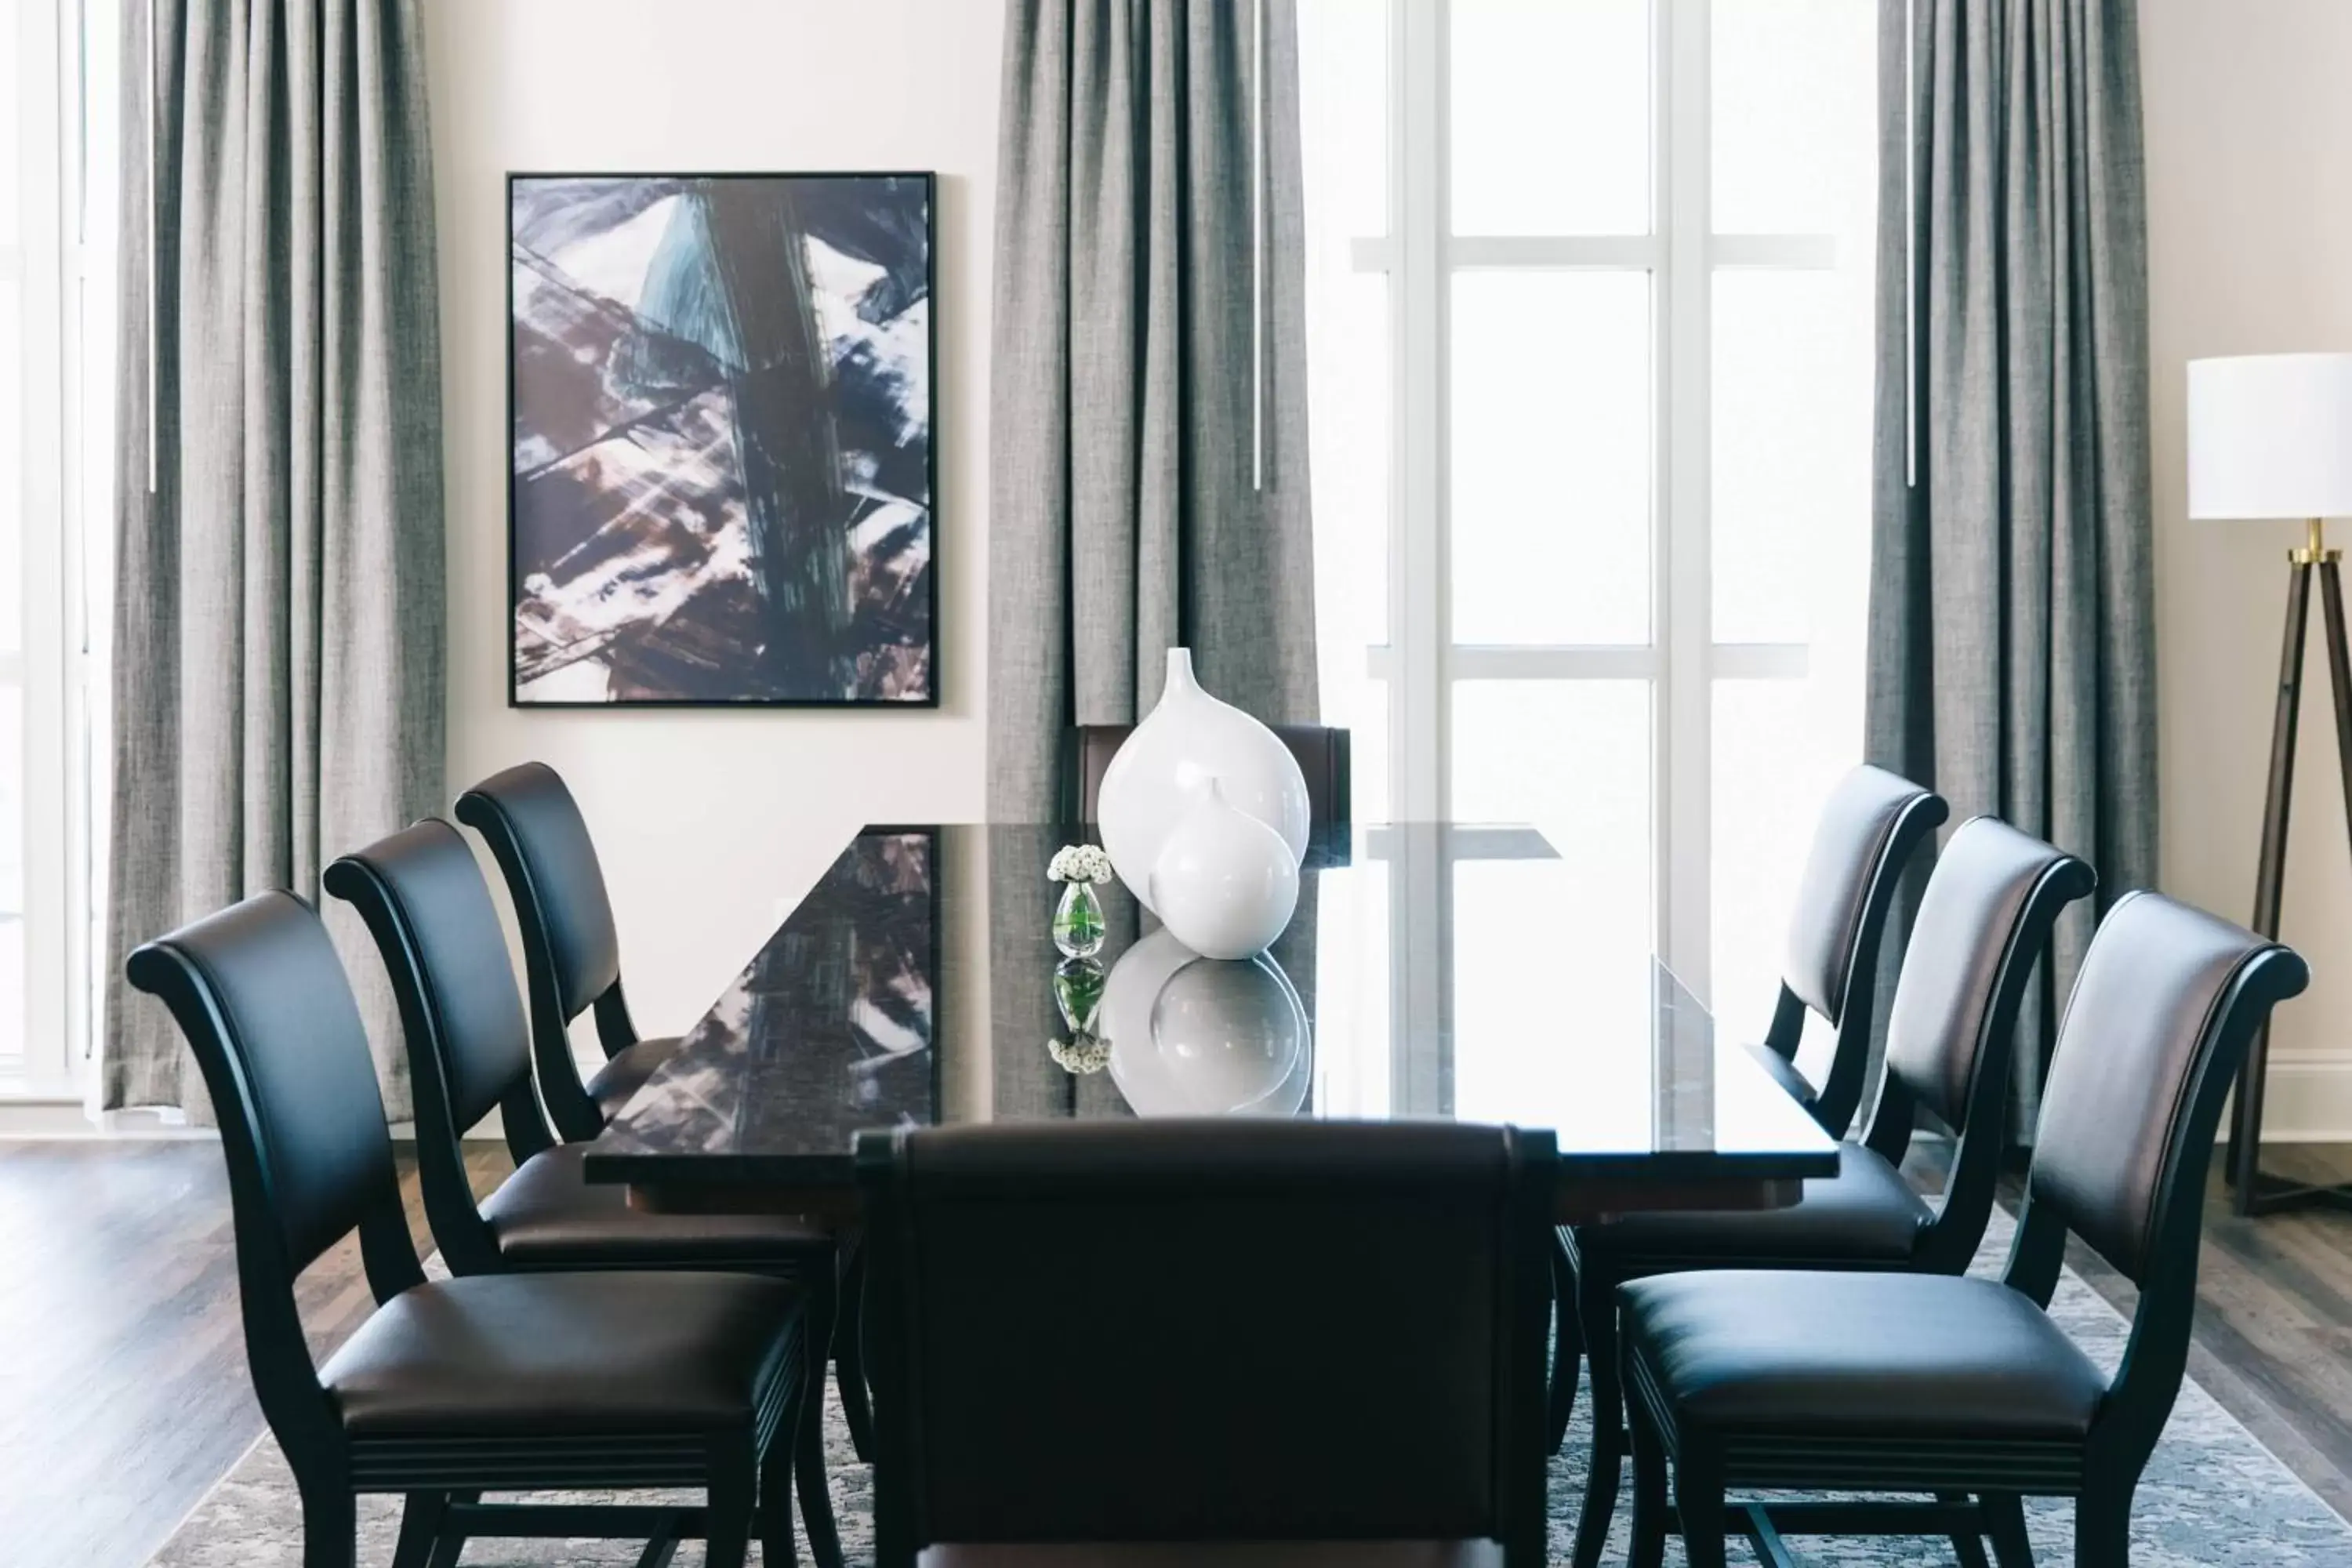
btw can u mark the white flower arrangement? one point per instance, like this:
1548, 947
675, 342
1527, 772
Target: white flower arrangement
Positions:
1087, 863
1086, 1054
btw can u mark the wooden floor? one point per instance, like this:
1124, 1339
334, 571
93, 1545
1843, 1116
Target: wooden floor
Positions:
123, 1386
123, 1394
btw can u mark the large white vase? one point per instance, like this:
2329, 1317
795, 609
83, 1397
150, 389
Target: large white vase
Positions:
1156, 776
1225, 883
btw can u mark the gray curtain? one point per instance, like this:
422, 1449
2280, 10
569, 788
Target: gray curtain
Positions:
2012, 658
1138, 322
277, 622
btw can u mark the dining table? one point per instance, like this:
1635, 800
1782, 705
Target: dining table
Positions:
1431, 970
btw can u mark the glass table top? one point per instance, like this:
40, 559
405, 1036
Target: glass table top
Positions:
1430, 970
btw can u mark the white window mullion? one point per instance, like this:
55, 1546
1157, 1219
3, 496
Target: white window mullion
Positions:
1685, 634
45, 669
1416, 582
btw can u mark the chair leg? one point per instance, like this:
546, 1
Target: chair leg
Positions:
1649, 1548
1968, 1549
734, 1498
448, 1546
2103, 1528
1698, 1497
331, 1528
421, 1517
850, 1354
803, 1438
1596, 1307
2005, 1522
1567, 1344
777, 1547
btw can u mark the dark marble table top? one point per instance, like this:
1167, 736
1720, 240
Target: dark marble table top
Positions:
1430, 972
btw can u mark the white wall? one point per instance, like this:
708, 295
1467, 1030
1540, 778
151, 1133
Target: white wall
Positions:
2250, 237
707, 821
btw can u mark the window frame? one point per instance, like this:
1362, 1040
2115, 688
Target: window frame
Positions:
54, 263
1681, 662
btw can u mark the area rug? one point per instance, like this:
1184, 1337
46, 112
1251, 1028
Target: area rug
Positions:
2213, 1497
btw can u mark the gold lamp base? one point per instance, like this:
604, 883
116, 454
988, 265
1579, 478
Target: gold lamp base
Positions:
2315, 549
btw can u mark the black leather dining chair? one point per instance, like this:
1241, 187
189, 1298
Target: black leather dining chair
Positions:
1983, 923
1324, 757
572, 947
1965, 1388
1869, 828
619, 1381
423, 897
1099, 1345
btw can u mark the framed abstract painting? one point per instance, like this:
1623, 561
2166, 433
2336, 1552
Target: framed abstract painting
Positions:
723, 476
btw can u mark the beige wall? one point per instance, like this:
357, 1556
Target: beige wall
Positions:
2249, 242
707, 821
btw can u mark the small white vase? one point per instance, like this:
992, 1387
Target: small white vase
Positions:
1189, 738
1225, 882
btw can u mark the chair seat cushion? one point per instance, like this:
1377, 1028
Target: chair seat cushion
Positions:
548, 1215
1893, 1355
1865, 1214
1242, 1554
542, 1354
617, 1083
1784, 1073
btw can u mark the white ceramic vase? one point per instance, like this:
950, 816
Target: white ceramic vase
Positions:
1225, 882
1193, 1036
1187, 739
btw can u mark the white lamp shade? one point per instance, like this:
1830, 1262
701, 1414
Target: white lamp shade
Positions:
2271, 436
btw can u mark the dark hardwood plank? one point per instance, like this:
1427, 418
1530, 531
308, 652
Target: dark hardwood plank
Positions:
123, 1395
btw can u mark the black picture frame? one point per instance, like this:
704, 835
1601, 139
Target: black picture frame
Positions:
935, 663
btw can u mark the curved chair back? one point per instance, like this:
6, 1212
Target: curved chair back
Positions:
571, 948
1869, 828
1046, 1332
1984, 922
1323, 757
2158, 1026
265, 1005
423, 897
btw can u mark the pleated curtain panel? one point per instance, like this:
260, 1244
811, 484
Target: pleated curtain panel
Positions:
2013, 657
1149, 483
277, 643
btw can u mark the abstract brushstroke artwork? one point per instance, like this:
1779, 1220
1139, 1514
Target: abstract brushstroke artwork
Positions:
722, 470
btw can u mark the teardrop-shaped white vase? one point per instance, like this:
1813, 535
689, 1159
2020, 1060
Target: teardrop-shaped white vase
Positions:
1225, 882
1189, 738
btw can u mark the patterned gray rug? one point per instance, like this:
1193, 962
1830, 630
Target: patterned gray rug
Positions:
2213, 1498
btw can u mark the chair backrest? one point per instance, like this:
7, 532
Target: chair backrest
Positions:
570, 947
1983, 922
541, 844
1870, 827
1323, 757
2165, 1001
423, 897
1330, 1330
265, 1005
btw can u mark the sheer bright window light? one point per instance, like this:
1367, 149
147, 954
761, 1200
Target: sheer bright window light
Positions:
2271, 436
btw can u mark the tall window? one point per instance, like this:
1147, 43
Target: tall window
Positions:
1589, 322
58, 186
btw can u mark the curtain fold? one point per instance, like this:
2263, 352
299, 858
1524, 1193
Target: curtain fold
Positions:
278, 692
2011, 653
1139, 318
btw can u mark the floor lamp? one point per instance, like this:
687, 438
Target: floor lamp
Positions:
2270, 436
